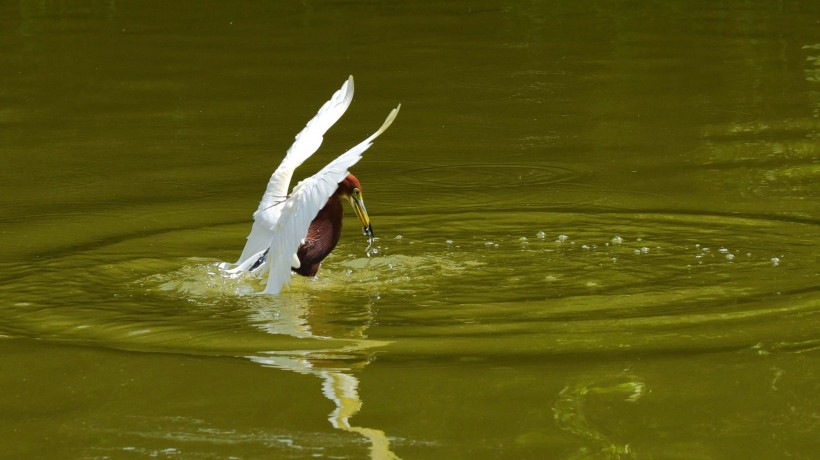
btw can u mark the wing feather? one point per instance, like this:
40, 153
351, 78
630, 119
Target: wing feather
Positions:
306, 143
307, 199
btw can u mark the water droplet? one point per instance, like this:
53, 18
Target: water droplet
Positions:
617, 239
730, 256
398, 237
449, 241
540, 235
562, 238
775, 261
645, 250
371, 249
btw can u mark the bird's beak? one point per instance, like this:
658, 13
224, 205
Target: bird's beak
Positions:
361, 213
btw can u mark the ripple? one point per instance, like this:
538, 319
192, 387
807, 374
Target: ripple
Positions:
531, 282
576, 290
472, 176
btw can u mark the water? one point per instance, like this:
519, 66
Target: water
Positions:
597, 231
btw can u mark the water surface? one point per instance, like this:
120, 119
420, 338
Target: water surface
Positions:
598, 230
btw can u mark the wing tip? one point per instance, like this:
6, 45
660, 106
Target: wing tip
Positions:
388, 121
347, 90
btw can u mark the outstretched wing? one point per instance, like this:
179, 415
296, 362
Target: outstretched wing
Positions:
307, 199
307, 142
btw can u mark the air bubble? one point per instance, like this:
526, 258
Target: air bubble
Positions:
617, 239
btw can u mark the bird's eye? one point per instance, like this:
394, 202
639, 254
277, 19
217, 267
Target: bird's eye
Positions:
356, 192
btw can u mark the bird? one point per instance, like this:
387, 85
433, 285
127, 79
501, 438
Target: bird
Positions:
295, 232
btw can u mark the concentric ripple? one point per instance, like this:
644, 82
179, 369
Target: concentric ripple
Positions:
538, 283
470, 177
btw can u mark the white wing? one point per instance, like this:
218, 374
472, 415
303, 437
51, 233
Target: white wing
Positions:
307, 142
307, 199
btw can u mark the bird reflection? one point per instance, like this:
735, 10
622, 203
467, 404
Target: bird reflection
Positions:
334, 366
342, 389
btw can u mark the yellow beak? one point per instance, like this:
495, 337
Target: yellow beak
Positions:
361, 213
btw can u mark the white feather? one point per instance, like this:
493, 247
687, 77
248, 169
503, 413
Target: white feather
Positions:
306, 200
307, 142
281, 222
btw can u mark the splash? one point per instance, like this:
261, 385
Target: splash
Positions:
371, 249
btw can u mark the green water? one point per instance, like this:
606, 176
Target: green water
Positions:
599, 227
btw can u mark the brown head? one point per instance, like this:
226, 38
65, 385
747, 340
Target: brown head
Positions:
351, 189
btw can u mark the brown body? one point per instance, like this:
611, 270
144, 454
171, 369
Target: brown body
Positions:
322, 237
326, 228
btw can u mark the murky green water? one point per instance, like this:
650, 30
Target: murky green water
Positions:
599, 230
